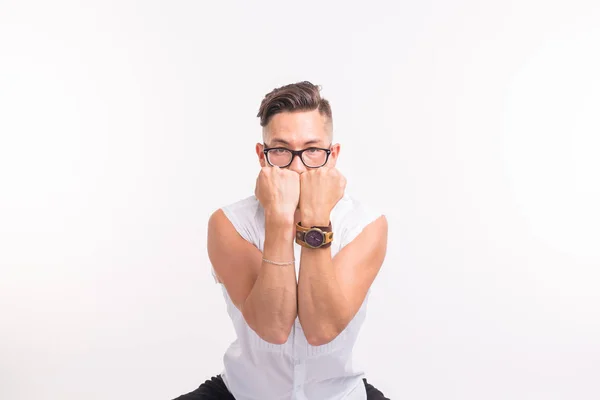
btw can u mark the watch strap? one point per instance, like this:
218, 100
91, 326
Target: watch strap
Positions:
327, 228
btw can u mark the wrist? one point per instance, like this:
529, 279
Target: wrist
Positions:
308, 219
281, 226
277, 218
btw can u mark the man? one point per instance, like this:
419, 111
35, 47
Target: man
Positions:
296, 262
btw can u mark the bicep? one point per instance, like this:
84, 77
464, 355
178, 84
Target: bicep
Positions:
235, 260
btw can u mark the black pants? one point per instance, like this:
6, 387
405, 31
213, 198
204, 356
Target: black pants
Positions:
215, 389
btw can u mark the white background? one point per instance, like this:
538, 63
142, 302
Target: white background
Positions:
472, 125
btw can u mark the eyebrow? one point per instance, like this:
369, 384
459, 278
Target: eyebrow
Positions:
286, 143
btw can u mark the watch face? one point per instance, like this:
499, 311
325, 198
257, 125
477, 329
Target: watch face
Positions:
314, 238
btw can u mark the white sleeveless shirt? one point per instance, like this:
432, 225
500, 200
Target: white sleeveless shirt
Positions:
255, 369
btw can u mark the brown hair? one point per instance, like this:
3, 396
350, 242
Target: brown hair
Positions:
301, 96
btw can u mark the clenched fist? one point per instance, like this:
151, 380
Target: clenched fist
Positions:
320, 190
278, 190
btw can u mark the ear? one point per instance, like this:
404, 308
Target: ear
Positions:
261, 154
333, 156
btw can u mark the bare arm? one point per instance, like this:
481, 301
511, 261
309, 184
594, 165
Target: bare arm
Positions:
263, 292
330, 292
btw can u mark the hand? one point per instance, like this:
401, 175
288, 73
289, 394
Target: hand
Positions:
278, 191
320, 191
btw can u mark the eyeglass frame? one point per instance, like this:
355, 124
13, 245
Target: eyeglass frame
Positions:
294, 154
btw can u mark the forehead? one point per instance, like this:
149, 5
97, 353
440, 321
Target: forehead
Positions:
297, 128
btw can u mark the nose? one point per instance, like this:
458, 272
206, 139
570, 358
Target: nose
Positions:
297, 165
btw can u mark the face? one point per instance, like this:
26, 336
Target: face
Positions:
297, 131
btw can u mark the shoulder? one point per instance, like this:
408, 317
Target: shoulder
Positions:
351, 210
247, 204
243, 214
351, 215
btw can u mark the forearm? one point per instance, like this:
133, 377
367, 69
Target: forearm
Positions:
322, 307
271, 307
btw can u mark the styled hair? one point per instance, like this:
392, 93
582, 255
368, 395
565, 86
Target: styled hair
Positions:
301, 96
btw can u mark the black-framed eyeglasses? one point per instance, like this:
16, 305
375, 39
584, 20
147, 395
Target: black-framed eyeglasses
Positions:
312, 157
